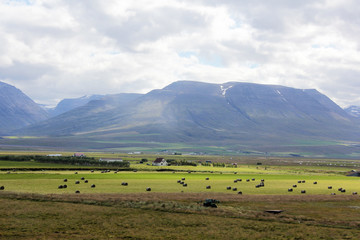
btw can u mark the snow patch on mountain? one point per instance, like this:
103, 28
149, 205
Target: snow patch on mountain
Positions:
282, 96
223, 89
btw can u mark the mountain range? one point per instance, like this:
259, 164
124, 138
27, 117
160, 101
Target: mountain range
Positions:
232, 113
192, 111
353, 111
71, 103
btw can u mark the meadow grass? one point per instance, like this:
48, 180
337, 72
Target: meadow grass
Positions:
179, 216
48, 181
32, 206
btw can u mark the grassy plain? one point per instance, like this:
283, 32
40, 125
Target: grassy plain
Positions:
32, 206
177, 216
47, 182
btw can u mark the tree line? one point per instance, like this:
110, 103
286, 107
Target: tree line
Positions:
71, 160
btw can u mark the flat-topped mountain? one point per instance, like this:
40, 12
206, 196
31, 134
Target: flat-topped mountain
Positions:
195, 111
17, 110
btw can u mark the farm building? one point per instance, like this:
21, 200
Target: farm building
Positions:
54, 155
160, 162
79, 155
110, 160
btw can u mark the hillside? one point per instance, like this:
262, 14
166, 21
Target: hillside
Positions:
17, 110
68, 104
196, 112
353, 111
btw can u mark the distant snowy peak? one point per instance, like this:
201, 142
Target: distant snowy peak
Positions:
353, 111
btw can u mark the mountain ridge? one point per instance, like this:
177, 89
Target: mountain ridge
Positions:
17, 109
197, 111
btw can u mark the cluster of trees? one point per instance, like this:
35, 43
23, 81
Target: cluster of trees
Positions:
173, 162
80, 161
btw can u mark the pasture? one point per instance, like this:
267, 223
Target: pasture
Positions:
275, 182
32, 206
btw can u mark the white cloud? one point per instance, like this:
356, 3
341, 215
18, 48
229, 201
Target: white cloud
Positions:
57, 49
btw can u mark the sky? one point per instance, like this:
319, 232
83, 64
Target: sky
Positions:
56, 49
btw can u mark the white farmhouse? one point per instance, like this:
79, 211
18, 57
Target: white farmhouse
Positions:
159, 162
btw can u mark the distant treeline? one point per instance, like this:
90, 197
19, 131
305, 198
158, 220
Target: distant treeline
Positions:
79, 161
173, 162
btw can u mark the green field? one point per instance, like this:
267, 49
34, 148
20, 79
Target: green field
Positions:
33, 207
276, 182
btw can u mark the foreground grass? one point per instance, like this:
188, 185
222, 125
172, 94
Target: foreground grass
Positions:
177, 216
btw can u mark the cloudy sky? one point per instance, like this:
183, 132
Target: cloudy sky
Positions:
55, 49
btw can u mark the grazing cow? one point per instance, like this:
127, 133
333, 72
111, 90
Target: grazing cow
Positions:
240, 193
333, 194
303, 191
2, 188
76, 172
303, 181
294, 185
228, 188
86, 181
248, 180
262, 180
93, 185
329, 187
178, 181
343, 190
64, 186
340, 189
148, 189
60, 186
92, 171
253, 179
183, 179
299, 181
208, 187
124, 183
185, 185
77, 182
315, 182
82, 178
290, 190
77, 191
65, 180
234, 189
207, 178
239, 180
235, 181
354, 193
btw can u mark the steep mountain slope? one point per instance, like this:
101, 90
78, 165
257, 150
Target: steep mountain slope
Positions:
194, 111
89, 117
71, 103
17, 110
